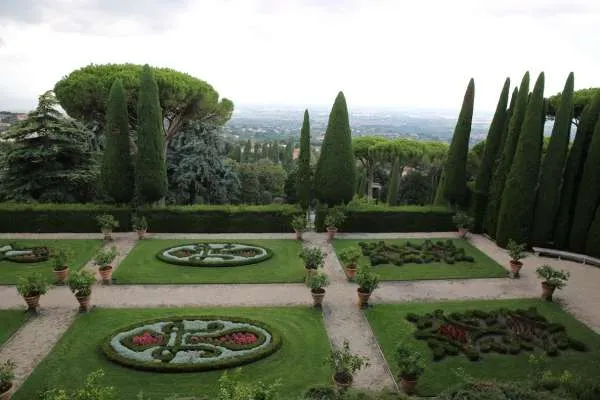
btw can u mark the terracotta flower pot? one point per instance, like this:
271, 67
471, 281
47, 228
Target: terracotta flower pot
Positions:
318, 297
61, 275
107, 232
7, 394
331, 233
515, 267
106, 273
363, 298
33, 302
462, 232
351, 271
299, 233
84, 302
409, 386
141, 233
342, 380
547, 291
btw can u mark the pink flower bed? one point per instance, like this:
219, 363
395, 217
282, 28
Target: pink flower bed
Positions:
147, 339
238, 338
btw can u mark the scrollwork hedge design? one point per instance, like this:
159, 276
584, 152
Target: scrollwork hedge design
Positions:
213, 254
408, 252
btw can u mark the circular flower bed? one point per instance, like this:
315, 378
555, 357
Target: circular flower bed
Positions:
198, 343
24, 255
214, 254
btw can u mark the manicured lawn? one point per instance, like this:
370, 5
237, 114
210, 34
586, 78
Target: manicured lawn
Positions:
391, 327
82, 250
10, 321
142, 266
298, 363
483, 267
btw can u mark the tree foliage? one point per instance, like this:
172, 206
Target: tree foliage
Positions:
415, 189
363, 148
592, 246
304, 173
260, 182
581, 98
392, 195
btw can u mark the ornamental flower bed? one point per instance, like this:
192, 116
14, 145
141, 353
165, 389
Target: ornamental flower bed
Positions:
425, 253
214, 254
13, 253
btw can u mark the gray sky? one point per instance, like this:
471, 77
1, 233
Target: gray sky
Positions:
405, 54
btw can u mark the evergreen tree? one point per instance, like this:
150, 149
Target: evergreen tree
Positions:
335, 175
518, 197
392, 195
573, 171
117, 163
303, 183
247, 151
509, 113
439, 200
506, 158
592, 247
150, 171
490, 155
455, 170
548, 196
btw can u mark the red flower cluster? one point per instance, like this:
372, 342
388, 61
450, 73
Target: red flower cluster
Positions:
239, 338
454, 332
147, 339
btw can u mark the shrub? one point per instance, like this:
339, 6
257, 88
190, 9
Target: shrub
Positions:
32, 285
7, 375
140, 223
552, 277
91, 390
107, 221
462, 220
335, 218
61, 259
515, 250
350, 255
318, 282
366, 279
81, 282
344, 363
232, 388
105, 256
411, 363
299, 222
313, 257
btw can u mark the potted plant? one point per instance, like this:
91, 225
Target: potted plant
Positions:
107, 223
411, 364
7, 375
552, 279
140, 224
80, 283
61, 265
367, 281
31, 288
103, 260
317, 284
333, 220
299, 225
349, 256
314, 258
463, 222
516, 252
345, 364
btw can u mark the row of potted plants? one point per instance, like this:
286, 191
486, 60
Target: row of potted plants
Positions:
102, 259
108, 223
332, 222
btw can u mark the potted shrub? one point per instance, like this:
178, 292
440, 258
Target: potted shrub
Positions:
333, 220
31, 288
7, 375
345, 364
299, 225
463, 222
411, 364
80, 283
516, 252
103, 260
61, 265
140, 224
349, 257
367, 281
107, 223
552, 279
314, 258
317, 284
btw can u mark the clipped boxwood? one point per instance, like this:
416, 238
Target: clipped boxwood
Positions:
268, 253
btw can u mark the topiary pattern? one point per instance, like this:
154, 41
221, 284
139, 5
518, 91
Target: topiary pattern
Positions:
406, 253
11, 252
215, 254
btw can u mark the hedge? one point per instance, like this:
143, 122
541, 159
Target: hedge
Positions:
381, 218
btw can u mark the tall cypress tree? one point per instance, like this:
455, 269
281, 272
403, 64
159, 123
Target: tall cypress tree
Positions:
589, 194
509, 113
518, 198
117, 163
335, 175
548, 196
303, 182
438, 199
455, 170
592, 247
573, 171
506, 158
490, 154
392, 195
151, 177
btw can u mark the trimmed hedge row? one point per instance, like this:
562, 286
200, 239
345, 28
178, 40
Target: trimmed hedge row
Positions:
392, 219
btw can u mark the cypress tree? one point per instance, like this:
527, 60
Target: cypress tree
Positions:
439, 200
592, 247
151, 178
335, 175
117, 163
589, 194
392, 195
506, 158
509, 113
548, 196
518, 197
490, 154
455, 170
573, 171
303, 182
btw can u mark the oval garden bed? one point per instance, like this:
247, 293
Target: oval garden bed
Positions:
214, 254
196, 343
14, 253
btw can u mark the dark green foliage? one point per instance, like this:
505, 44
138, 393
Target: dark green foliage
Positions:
428, 252
506, 157
415, 189
117, 164
548, 196
518, 197
150, 167
592, 247
455, 172
581, 98
490, 155
589, 195
259, 178
335, 176
574, 172
392, 196
304, 177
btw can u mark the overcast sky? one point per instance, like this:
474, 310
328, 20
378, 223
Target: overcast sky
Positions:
405, 54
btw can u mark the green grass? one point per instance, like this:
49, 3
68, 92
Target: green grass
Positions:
10, 321
82, 250
298, 363
483, 267
142, 266
391, 327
